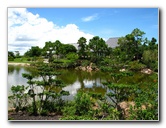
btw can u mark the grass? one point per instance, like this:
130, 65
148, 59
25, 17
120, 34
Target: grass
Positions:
20, 60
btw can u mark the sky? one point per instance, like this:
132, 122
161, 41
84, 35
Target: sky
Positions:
34, 26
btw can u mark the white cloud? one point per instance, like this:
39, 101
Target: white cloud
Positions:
26, 29
90, 18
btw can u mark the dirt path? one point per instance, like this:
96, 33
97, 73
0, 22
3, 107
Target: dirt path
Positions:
25, 116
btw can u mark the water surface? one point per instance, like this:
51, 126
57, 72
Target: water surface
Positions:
77, 80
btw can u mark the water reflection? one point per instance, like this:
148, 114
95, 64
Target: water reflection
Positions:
15, 76
78, 80
74, 80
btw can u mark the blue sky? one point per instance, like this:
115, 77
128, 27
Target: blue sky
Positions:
105, 22
35, 26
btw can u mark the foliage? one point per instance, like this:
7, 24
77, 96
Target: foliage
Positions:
136, 65
98, 46
130, 45
82, 103
82, 51
99, 49
48, 83
31, 91
19, 98
93, 106
133, 54
68, 48
145, 98
120, 92
150, 58
72, 56
11, 56
144, 110
34, 51
106, 69
85, 63
69, 109
17, 54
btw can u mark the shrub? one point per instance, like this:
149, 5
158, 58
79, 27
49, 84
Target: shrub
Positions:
18, 98
82, 103
72, 56
136, 66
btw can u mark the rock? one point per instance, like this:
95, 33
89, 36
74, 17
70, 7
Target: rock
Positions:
146, 71
83, 68
122, 70
125, 107
88, 68
12, 109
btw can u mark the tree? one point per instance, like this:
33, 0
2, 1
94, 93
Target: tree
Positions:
58, 48
17, 54
131, 45
31, 91
82, 47
11, 56
98, 47
35, 51
51, 86
49, 50
150, 55
68, 48
18, 97
152, 44
45, 99
138, 36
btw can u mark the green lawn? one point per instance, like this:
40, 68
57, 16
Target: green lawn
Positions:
20, 60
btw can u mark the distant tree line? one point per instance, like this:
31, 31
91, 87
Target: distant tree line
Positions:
133, 48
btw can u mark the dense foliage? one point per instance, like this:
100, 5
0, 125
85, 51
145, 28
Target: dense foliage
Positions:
133, 54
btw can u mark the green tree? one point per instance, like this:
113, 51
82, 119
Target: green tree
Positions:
98, 47
150, 54
35, 51
131, 45
82, 47
58, 48
18, 97
11, 56
150, 58
50, 85
153, 44
138, 39
49, 50
17, 54
68, 48
31, 91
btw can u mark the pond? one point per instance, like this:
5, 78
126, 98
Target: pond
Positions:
74, 80
77, 80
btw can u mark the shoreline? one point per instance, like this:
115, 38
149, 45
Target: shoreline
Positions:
18, 64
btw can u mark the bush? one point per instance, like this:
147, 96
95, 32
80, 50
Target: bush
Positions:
82, 103
154, 66
85, 63
44, 112
72, 56
106, 69
136, 66
10, 58
69, 109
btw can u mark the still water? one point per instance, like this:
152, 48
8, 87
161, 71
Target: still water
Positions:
76, 80
73, 79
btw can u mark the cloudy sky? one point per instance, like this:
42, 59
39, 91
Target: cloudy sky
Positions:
34, 26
